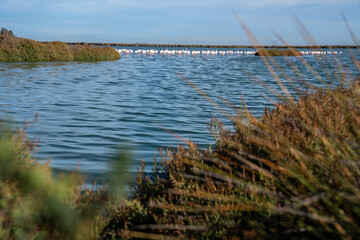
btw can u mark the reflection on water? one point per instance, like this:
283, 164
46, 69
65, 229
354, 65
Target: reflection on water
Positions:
87, 110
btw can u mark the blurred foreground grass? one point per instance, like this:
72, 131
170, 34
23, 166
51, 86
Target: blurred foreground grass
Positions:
33, 205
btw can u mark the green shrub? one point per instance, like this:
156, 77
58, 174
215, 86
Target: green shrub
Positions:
5, 31
33, 205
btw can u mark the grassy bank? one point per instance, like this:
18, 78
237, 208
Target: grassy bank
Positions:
15, 49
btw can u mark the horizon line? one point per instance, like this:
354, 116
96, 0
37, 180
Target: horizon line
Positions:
207, 45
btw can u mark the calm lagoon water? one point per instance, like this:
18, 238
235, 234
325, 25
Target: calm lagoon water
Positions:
87, 110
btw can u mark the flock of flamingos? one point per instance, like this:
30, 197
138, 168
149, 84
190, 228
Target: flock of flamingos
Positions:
186, 52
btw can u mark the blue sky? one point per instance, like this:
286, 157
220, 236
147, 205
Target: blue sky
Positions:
179, 21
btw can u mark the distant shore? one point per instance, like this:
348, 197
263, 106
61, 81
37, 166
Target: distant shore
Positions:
204, 46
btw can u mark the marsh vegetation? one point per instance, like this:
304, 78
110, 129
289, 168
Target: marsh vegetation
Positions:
15, 49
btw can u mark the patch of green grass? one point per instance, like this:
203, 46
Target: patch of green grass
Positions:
15, 49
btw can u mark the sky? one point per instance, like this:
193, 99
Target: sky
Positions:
180, 21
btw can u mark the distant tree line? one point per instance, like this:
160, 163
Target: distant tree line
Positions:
6, 32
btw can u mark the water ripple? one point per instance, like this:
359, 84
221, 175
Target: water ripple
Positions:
87, 110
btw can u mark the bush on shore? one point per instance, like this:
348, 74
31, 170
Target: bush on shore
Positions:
6, 32
277, 52
294, 173
15, 49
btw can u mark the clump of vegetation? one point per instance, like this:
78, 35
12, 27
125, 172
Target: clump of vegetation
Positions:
292, 173
5, 31
277, 52
33, 205
14, 49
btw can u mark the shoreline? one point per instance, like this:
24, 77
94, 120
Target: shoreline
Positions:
208, 46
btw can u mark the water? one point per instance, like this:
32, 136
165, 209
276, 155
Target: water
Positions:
87, 110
